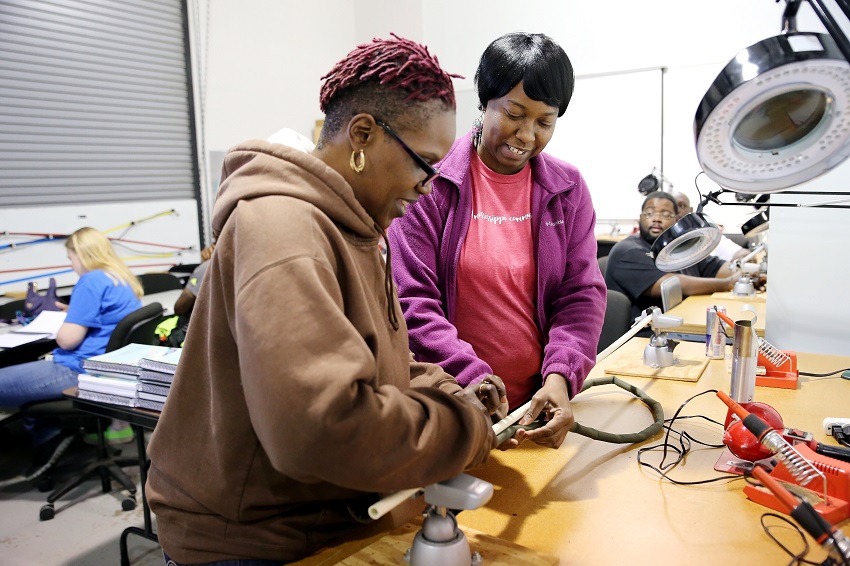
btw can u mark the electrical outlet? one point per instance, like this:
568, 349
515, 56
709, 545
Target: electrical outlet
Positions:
829, 421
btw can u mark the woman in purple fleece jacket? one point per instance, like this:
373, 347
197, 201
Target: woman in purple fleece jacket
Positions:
496, 268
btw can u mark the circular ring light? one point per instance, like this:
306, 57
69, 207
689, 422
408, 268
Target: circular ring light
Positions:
777, 115
685, 243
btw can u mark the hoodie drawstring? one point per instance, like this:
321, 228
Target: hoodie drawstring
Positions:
388, 282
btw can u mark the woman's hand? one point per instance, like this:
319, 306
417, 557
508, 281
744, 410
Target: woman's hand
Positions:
61, 306
553, 401
489, 395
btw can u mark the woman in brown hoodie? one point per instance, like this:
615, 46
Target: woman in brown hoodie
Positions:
296, 403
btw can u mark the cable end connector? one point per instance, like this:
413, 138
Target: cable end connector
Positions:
829, 424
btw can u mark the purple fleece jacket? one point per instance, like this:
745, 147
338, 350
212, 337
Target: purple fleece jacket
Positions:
570, 303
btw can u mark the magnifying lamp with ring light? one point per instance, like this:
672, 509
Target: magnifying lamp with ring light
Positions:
777, 115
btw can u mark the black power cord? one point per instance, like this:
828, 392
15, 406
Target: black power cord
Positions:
684, 446
841, 371
798, 558
841, 434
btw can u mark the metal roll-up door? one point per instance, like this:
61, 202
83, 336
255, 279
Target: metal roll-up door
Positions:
95, 102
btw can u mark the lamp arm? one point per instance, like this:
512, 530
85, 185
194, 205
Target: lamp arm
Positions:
713, 197
790, 204
832, 27
789, 16
752, 254
636, 327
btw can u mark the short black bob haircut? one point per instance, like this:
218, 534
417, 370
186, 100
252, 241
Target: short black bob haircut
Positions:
531, 58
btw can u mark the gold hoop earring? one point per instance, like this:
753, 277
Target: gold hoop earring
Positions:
357, 167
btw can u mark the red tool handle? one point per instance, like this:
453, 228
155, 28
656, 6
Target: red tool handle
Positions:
725, 318
783, 495
734, 406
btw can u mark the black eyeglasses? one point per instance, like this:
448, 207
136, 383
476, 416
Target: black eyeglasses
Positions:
430, 172
665, 214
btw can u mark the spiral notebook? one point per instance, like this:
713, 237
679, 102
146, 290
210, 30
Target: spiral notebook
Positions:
124, 360
163, 361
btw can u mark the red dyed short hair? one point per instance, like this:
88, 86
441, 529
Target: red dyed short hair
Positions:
398, 64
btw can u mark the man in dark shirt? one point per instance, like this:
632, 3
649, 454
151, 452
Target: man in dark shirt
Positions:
632, 271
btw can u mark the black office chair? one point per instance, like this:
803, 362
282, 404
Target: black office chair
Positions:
159, 282
135, 328
9, 310
603, 264
618, 319
183, 271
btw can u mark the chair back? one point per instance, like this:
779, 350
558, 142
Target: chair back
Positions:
618, 319
159, 282
603, 264
136, 328
8, 310
183, 271
671, 293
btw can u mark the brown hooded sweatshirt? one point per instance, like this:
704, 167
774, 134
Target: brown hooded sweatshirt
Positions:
296, 401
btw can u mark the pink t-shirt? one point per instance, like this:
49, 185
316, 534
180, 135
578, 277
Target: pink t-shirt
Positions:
496, 281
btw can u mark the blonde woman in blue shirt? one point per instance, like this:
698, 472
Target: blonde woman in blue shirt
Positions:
106, 292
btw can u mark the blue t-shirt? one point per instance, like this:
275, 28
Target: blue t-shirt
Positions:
98, 303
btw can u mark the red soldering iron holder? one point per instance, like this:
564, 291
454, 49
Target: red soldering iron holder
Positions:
834, 509
780, 367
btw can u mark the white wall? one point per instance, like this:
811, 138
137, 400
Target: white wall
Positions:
261, 62
265, 58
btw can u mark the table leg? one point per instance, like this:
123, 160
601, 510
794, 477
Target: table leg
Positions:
147, 532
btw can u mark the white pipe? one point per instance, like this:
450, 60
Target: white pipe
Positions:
511, 418
390, 502
636, 327
383, 506
752, 254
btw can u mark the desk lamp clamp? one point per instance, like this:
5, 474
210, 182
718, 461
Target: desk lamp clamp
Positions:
659, 352
440, 541
745, 287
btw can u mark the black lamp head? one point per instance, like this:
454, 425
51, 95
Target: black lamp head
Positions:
687, 242
757, 224
777, 115
649, 184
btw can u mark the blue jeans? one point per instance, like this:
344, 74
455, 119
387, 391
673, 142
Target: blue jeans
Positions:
34, 381
232, 562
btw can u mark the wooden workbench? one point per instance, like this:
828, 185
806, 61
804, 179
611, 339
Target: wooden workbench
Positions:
693, 308
590, 502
